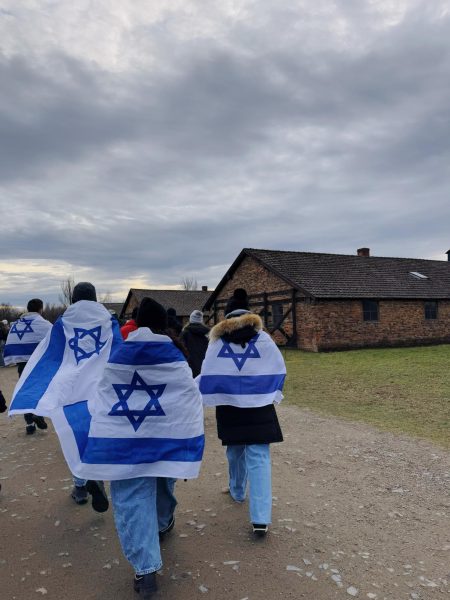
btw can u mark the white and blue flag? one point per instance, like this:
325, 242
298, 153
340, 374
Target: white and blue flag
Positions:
24, 337
144, 419
246, 377
69, 361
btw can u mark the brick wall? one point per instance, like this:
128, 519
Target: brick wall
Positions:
329, 325
257, 280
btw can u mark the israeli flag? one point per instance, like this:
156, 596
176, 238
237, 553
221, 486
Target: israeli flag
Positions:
24, 337
244, 377
68, 362
144, 419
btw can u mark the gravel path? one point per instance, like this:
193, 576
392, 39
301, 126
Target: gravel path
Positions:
357, 513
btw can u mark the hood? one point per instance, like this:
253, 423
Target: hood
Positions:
197, 328
230, 327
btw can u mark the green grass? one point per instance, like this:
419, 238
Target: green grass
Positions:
405, 390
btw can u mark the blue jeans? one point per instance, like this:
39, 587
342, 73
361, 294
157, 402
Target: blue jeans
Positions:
78, 482
252, 463
165, 501
134, 502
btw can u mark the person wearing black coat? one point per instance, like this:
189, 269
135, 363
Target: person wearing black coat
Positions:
195, 338
247, 432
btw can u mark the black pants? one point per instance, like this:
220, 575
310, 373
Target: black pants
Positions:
28, 416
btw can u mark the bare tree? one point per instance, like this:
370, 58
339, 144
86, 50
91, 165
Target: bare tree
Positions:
8, 312
189, 283
66, 291
107, 297
52, 312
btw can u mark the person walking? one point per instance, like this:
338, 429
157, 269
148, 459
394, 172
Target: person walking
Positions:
195, 337
130, 325
24, 336
144, 506
242, 376
85, 291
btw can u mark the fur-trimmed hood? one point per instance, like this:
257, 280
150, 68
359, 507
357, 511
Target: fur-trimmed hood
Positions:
229, 326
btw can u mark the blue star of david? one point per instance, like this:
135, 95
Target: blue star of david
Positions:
136, 416
240, 358
21, 332
80, 334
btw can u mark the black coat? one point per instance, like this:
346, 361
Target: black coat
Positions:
236, 426
194, 338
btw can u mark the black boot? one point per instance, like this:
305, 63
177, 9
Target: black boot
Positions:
145, 585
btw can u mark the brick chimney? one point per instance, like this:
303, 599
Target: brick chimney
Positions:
448, 254
366, 252
205, 287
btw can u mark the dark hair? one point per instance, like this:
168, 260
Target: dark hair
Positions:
134, 312
153, 315
35, 305
84, 291
239, 300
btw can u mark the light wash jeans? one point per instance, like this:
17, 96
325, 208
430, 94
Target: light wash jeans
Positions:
165, 500
134, 502
252, 463
77, 482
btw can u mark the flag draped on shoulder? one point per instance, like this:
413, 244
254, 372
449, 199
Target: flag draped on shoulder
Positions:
144, 419
246, 377
68, 362
24, 337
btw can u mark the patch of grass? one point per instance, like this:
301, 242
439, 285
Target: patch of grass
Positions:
405, 390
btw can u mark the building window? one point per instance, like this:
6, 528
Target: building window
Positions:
431, 309
277, 312
370, 310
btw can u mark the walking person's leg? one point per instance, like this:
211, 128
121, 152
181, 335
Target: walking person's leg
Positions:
79, 492
237, 470
260, 486
30, 419
165, 503
134, 503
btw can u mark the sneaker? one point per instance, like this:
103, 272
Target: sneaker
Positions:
30, 429
260, 529
79, 494
169, 527
145, 585
40, 422
100, 501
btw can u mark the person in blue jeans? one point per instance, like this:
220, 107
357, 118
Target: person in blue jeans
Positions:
144, 506
247, 432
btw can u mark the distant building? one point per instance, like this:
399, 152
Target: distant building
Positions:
318, 302
114, 307
183, 301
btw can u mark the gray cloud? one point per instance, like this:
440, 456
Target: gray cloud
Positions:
333, 135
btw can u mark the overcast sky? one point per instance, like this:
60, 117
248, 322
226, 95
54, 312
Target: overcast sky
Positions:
145, 141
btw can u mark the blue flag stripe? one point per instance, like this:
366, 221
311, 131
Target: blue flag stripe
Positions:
241, 385
128, 451
45, 369
146, 353
19, 349
117, 336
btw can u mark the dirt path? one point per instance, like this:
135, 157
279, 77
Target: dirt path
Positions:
354, 509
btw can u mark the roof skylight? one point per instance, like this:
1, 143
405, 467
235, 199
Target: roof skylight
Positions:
418, 275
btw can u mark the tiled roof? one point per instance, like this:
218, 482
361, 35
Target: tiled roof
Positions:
183, 301
113, 306
352, 276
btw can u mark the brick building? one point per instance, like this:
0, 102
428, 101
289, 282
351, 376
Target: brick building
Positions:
183, 301
320, 302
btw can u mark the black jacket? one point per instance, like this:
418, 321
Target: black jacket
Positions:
236, 426
194, 337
